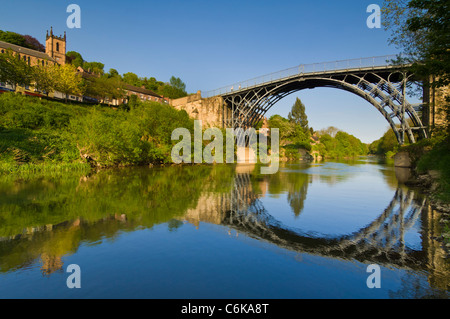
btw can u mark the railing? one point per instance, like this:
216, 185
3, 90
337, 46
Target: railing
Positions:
323, 67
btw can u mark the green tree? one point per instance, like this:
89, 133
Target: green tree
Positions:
298, 115
103, 87
94, 67
67, 80
177, 83
14, 70
113, 73
421, 29
132, 79
75, 58
13, 38
44, 77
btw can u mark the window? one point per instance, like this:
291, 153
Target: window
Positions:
29, 61
57, 46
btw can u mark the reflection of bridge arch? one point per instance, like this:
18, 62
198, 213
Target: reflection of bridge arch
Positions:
381, 241
375, 80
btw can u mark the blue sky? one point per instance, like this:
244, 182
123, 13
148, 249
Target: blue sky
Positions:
211, 44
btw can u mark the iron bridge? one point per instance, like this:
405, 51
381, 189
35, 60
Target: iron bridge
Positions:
378, 80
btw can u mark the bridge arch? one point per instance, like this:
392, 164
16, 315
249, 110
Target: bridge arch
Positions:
249, 106
378, 80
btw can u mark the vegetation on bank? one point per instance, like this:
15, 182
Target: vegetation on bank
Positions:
386, 146
420, 29
44, 135
296, 137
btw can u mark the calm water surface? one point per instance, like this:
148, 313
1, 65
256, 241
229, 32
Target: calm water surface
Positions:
224, 231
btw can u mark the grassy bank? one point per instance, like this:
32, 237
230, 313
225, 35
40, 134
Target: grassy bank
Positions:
42, 135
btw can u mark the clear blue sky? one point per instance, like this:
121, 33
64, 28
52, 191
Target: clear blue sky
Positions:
211, 44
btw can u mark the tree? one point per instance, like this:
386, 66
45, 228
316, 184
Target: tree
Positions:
421, 29
298, 115
33, 43
103, 87
44, 77
177, 83
286, 128
14, 70
113, 73
94, 67
26, 41
132, 79
75, 58
330, 130
13, 38
67, 79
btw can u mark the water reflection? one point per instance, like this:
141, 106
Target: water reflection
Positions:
44, 219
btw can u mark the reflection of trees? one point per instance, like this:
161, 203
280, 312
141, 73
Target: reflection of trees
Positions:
47, 218
295, 184
297, 190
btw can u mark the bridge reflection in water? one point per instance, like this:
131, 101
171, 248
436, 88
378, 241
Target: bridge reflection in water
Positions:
381, 242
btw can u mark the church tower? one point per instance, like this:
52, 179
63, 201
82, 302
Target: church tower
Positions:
55, 46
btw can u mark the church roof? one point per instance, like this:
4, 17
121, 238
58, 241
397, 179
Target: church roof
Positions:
22, 50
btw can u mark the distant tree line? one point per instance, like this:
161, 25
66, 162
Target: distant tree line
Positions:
174, 89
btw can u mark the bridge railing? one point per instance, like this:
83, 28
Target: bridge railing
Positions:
307, 69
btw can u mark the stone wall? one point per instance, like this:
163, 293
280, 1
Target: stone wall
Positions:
210, 111
435, 116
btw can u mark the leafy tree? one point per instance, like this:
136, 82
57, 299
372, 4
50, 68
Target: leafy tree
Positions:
14, 70
298, 115
330, 130
177, 83
75, 58
286, 128
67, 80
13, 38
113, 73
421, 29
132, 79
26, 41
33, 43
44, 77
103, 87
387, 143
94, 67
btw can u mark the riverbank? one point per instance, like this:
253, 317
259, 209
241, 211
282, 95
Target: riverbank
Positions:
429, 161
42, 135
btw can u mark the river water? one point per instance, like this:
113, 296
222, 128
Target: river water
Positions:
223, 231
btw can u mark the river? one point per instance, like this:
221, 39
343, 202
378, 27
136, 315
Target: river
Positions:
221, 231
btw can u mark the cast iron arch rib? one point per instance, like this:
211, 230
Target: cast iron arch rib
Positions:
250, 105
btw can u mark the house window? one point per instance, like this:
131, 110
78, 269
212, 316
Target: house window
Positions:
29, 61
57, 46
